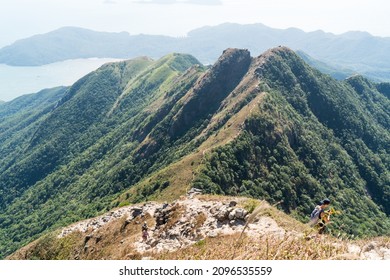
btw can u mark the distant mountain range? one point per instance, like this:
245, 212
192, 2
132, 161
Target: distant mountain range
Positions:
357, 52
269, 127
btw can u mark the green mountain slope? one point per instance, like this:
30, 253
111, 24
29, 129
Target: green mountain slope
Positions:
384, 88
19, 120
312, 137
269, 127
335, 72
79, 154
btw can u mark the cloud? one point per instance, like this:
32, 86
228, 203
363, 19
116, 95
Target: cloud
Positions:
109, 2
156, 2
204, 2
170, 2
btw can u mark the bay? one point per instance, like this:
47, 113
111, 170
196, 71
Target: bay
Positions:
17, 81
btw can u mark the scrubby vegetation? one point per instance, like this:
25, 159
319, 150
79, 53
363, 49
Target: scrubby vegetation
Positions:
312, 137
269, 127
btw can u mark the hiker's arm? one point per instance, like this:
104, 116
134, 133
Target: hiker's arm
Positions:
324, 217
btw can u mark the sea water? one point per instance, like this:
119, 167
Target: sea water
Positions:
17, 81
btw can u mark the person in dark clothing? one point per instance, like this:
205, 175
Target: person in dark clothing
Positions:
145, 233
319, 217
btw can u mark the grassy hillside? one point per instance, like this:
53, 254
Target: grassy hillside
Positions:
79, 155
269, 127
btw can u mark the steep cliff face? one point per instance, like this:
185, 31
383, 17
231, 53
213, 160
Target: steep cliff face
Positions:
211, 90
194, 110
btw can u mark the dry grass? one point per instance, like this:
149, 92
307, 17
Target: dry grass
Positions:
199, 220
267, 247
113, 241
117, 240
175, 214
179, 175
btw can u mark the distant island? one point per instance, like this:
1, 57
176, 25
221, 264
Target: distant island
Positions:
353, 52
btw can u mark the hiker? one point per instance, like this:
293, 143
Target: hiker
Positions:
319, 217
145, 234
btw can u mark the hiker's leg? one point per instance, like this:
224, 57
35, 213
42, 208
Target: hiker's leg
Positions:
321, 228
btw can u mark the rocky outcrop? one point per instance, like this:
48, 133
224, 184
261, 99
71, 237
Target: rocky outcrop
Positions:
181, 223
192, 220
91, 225
188, 221
370, 251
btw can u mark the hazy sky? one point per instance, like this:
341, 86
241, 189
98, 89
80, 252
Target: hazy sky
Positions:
23, 18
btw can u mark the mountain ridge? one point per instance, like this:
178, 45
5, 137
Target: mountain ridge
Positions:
277, 129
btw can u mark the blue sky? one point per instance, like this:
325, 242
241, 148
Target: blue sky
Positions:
24, 18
